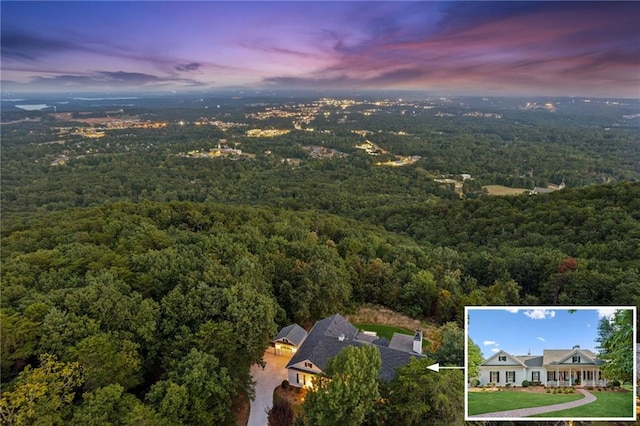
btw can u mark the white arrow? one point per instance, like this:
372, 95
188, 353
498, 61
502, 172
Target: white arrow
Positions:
436, 367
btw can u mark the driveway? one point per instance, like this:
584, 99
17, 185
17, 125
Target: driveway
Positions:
266, 381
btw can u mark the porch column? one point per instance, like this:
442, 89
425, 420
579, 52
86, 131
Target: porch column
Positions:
557, 376
582, 376
593, 378
570, 378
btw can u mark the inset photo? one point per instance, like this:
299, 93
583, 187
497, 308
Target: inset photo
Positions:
551, 362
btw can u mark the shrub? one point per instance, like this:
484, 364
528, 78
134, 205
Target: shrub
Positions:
285, 384
525, 383
590, 387
555, 391
548, 390
615, 384
508, 385
280, 414
491, 384
475, 383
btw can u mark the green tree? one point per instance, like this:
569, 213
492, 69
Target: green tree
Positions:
349, 391
448, 345
106, 359
197, 391
419, 396
105, 406
618, 347
474, 359
42, 395
419, 295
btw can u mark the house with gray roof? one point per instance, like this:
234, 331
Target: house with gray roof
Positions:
289, 340
555, 367
332, 334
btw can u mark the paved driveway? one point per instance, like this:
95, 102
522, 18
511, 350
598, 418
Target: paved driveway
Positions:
266, 381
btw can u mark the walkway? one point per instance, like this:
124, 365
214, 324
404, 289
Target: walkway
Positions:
266, 381
525, 412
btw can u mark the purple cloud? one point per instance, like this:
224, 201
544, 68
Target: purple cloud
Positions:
192, 66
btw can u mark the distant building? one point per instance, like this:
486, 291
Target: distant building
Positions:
550, 188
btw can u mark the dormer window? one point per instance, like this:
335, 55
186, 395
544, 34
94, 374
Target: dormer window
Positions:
576, 359
502, 358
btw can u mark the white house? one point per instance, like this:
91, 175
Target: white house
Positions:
332, 334
289, 340
555, 367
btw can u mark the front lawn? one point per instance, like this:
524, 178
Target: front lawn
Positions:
607, 404
490, 402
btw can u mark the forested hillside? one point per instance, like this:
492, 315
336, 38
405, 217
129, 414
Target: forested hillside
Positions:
138, 296
142, 278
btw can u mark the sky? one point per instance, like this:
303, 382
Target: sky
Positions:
520, 331
476, 48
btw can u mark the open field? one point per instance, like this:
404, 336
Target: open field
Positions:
490, 402
504, 190
607, 404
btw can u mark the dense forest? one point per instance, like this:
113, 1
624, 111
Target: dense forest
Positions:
139, 285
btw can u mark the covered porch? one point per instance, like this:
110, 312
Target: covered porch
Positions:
575, 376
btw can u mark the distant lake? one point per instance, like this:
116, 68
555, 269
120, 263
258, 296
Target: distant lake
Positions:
35, 107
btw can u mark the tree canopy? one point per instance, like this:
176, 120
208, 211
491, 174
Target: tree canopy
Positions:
348, 392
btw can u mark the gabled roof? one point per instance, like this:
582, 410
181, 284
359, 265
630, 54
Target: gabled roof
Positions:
492, 359
401, 342
530, 360
293, 333
558, 356
323, 341
330, 335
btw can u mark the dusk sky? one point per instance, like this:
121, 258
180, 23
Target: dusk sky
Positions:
475, 48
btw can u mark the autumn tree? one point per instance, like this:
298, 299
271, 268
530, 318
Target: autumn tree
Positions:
43, 393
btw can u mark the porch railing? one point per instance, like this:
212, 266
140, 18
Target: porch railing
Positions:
587, 382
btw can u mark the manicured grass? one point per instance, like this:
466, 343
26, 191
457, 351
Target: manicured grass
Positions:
607, 404
382, 330
489, 402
